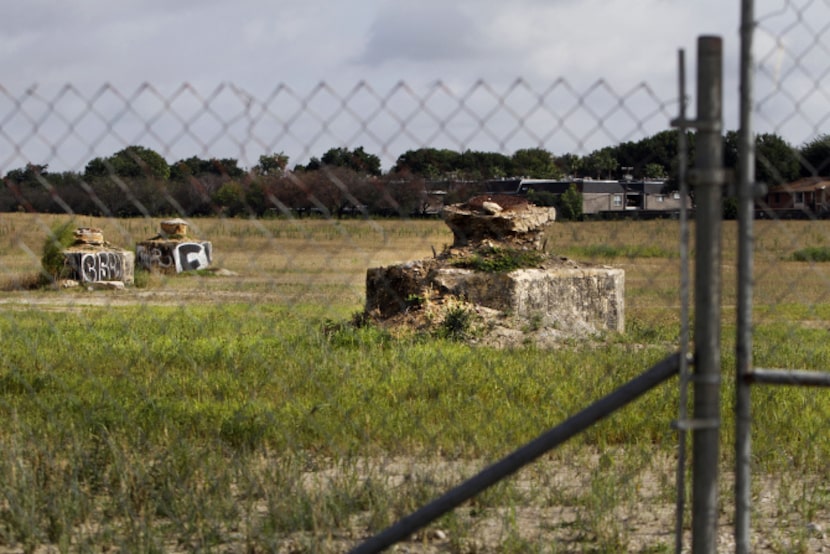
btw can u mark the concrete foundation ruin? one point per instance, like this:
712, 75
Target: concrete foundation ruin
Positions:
90, 259
551, 298
172, 251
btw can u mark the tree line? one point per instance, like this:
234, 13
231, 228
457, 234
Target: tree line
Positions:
138, 181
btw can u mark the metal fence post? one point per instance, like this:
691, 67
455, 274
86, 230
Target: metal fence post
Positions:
743, 340
708, 194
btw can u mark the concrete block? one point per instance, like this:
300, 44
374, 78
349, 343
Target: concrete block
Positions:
101, 264
174, 256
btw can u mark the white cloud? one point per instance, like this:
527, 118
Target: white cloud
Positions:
560, 49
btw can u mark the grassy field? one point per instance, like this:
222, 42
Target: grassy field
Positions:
233, 413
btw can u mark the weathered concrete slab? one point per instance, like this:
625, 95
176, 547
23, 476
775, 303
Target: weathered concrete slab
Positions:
172, 251
102, 265
173, 256
91, 259
579, 299
550, 297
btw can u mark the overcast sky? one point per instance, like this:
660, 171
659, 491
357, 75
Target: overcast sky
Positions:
567, 75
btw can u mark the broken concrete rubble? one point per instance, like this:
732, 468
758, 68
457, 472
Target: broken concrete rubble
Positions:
506, 219
172, 251
551, 299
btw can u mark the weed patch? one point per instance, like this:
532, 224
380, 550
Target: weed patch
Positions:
500, 260
812, 254
457, 323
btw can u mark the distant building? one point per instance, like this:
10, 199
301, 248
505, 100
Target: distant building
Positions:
599, 198
802, 198
604, 197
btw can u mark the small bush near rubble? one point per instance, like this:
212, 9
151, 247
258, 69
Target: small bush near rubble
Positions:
52, 259
812, 254
457, 323
501, 260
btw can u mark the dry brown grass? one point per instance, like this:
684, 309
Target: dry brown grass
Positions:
333, 255
266, 255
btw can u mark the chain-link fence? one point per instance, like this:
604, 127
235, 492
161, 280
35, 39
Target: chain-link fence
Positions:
781, 499
190, 361
245, 402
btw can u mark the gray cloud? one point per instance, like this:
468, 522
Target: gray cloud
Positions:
424, 32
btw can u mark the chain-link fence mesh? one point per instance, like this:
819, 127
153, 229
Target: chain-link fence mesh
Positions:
789, 281
245, 400
247, 405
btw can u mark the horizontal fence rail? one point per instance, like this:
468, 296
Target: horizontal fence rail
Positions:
788, 377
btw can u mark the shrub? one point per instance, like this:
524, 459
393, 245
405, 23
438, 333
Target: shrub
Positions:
52, 260
812, 254
457, 323
570, 205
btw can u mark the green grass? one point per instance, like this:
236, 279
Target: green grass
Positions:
812, 254
134, 424
248, 377
130, 416
266, 425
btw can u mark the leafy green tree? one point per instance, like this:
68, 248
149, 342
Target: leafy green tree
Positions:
271, 164
27, 175
198, 167
536, 163
255, 198
132, 161
314, 164
601, 163
776, 161
230, 198
816, 157
430, 163
474, 165
98, 167
661, 148
399, 194
569, 164
730, 150
570, 205
357, 160
183, 169
654, 171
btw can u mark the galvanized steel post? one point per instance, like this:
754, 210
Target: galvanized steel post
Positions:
743, 339
708, 179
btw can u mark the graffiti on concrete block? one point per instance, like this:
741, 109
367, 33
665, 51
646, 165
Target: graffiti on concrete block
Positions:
98, 266
190, 256
174, 256
154, 256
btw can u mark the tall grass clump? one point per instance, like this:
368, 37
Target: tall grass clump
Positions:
52, 261
812, 254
